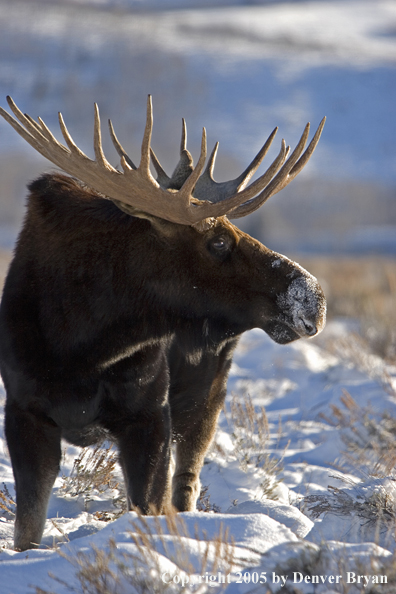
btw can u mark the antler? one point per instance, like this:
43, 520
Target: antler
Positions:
135, 190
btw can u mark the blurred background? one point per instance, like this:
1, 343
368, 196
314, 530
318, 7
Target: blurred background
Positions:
240, 68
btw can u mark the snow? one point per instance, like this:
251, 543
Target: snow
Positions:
298, 384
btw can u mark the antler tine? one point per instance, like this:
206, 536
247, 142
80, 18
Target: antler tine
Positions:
211, 163
49, 136
29, 123
119, 148
183, 141
69, 140
280, 180
182, 170
185, 166
251, 169
144, 165
99, 154
188, 186
33, 122
26, 135
163, 179
303, 160
261, 183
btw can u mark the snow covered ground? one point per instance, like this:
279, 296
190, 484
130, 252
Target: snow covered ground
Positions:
294, 502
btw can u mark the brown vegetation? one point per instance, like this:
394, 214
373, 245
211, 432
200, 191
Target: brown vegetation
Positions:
364, 289
5, 259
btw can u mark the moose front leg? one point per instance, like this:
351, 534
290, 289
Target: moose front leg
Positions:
136, 413
145, 456
195, 412
190, 455
35, 451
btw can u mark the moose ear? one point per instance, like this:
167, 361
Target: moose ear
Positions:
162, 226
132, 210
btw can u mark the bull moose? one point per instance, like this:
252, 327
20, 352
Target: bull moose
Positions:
122, 308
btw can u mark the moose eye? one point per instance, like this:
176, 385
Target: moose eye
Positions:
220, 246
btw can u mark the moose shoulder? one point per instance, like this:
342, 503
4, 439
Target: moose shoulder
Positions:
123, 306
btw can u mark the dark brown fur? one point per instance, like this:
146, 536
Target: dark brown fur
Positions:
117, 326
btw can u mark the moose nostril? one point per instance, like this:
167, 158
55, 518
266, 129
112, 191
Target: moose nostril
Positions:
310, 328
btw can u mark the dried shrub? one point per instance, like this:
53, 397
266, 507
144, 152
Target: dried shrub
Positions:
95, 472
370, 451
204, 504
325, 560
7, 504
374, 502
95, 572
369, 438
92, 470
251, 437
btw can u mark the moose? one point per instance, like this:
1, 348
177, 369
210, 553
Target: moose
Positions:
122, 308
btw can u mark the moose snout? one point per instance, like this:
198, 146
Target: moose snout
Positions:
304, 306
